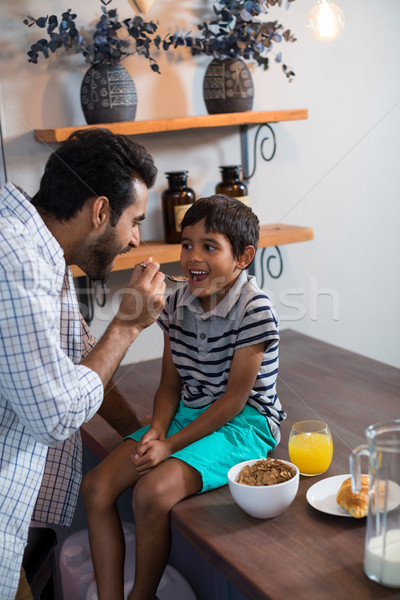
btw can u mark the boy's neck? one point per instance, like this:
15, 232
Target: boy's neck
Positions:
208, 303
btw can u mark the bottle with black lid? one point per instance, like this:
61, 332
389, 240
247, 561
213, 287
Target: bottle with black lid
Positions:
231, 184
176, 199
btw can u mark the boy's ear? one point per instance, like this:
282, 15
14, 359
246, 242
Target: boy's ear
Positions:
100, 211
246, 257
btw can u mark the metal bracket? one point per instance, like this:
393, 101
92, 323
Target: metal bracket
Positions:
252, 268
268, 264
244, 148
85, 298
87, 292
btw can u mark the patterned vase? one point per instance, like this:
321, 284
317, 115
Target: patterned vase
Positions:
228, 86
108, 95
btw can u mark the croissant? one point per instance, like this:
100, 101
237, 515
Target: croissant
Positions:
355, 504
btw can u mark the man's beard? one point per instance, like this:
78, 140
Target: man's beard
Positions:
97, 256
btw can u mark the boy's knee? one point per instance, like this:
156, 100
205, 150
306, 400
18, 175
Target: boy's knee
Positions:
86, 485
148, 496
92, 488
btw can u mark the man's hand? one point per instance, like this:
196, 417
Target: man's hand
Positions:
140, 306
143, 299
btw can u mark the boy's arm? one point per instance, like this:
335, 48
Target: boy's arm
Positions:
245, 367
167, 397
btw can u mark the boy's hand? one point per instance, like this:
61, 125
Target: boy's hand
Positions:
150, 454
152, 434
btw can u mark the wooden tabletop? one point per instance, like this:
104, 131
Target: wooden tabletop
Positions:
302, 553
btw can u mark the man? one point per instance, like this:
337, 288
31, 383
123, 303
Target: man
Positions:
91, 200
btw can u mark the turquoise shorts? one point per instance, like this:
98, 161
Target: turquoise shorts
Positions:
245, 437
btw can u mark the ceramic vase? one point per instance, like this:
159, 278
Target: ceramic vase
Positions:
228, 86
108, 95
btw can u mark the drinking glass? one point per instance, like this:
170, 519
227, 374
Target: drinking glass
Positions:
310, 447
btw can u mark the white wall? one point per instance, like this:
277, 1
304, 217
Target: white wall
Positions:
336, 172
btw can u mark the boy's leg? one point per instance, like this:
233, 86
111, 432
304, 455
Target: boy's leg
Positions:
153, 497
101, 488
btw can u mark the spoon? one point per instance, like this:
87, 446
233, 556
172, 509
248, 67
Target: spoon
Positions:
175, 278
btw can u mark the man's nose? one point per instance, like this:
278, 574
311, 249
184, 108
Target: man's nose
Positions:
135, 239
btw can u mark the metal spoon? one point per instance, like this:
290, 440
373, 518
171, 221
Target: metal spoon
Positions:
174, 278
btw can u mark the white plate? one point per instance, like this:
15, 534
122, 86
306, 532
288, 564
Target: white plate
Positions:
322, 495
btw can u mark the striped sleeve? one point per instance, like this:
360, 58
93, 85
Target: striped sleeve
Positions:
259, 323
169, 309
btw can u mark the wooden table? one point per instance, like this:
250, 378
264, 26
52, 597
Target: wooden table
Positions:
302, 553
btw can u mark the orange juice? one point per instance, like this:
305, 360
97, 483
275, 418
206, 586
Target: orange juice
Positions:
311, 452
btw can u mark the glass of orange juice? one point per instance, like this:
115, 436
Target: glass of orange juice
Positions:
310, 447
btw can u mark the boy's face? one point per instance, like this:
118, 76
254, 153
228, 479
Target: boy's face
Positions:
207, 260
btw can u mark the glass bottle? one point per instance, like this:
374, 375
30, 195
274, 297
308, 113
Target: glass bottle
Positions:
176, 199
231, 185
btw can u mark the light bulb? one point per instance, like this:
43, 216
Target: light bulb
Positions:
325, 21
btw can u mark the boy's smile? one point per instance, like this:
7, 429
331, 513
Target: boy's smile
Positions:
198, 275
207, 260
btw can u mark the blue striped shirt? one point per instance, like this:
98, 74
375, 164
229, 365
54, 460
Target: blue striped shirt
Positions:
203, 345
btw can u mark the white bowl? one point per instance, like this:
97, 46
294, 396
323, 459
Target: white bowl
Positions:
263, 501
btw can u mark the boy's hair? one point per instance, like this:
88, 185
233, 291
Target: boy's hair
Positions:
93, 162
226, 215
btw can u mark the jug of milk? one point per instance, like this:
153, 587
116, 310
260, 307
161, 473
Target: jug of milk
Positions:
382, 541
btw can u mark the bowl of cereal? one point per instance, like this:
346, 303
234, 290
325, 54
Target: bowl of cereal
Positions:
264, 488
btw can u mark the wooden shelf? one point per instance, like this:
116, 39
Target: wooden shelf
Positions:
60, 134
270, 235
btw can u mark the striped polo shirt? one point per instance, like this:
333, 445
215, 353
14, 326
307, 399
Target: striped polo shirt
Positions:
203, 345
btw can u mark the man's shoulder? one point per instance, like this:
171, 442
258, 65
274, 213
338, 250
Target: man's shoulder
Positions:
15, 238
20, 256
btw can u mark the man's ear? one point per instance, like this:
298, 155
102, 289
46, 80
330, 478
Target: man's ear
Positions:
246, 257
100, 211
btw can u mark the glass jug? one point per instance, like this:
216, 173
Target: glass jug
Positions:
382, 543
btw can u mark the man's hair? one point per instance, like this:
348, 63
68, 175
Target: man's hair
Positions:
93, 162
226, 215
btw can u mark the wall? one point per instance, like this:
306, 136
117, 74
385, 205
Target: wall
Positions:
336, 172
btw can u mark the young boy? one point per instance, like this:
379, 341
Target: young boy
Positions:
216, 404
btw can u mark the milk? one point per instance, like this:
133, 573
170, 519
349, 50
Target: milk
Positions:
382, 559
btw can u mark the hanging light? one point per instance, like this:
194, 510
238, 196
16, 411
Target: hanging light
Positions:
325, 21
